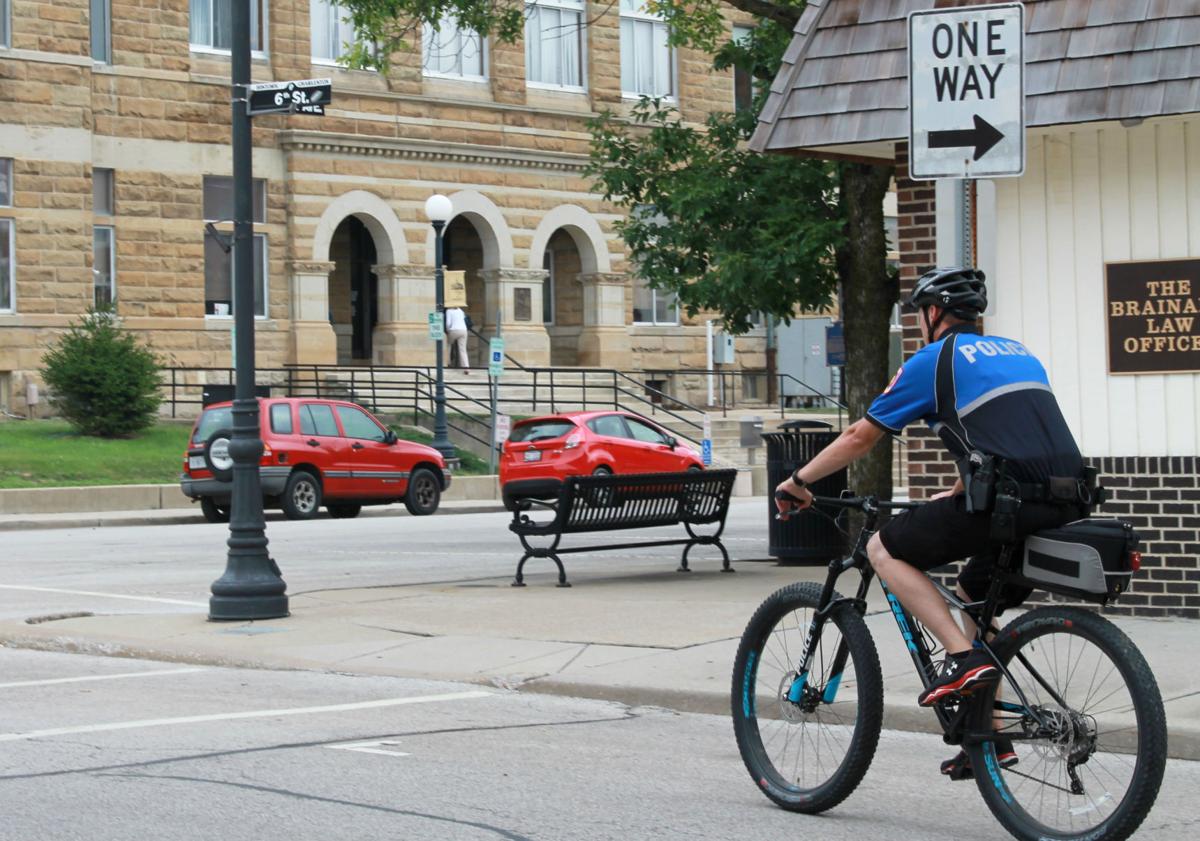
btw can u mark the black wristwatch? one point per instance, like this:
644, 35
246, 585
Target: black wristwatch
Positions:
797, 481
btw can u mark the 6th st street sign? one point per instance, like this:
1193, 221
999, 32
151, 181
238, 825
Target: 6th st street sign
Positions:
966, 92
303, 96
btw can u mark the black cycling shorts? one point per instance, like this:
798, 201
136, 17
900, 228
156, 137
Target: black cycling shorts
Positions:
942, 532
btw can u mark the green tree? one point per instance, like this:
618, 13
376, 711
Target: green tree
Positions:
102, 381
726, 229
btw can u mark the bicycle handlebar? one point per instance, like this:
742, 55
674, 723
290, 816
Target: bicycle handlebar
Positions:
862, 503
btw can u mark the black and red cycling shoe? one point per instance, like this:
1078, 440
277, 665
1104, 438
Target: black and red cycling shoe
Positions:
959, 768
962, 675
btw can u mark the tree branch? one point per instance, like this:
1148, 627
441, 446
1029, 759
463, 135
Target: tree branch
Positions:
783, 15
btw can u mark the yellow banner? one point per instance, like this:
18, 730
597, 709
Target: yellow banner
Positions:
455, 289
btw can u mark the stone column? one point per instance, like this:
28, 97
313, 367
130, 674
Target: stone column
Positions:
406, 297
517, 294
604, 339
312, 341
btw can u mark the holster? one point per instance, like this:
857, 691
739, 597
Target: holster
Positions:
979, 472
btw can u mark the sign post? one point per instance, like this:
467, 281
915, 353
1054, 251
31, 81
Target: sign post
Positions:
966, 92
495, 369
706, 442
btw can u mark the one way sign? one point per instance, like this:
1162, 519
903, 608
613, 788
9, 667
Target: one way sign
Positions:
966, 92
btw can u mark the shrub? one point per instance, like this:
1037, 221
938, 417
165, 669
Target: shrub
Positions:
101, 380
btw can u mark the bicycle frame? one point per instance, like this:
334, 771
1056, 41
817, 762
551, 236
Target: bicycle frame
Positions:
982, 613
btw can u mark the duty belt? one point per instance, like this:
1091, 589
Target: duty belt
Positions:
1061, 490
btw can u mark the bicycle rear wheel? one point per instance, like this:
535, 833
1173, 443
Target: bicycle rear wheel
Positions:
1091, 767
807, 742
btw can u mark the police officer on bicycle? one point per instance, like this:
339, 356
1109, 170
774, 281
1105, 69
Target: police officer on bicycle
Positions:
989, 400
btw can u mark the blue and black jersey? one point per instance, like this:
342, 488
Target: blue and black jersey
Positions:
983, 393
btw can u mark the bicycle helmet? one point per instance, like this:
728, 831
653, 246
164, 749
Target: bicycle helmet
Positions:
959, 291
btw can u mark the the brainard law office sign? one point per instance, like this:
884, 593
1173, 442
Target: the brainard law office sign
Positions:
1153, 316
966, 92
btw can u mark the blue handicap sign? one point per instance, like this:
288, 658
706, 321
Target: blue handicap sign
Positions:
706, 451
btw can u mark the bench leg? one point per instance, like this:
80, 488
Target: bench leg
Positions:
683, 564
725, 567
519, 581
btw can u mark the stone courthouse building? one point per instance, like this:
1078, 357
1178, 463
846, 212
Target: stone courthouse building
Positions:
114, 156
1092, 254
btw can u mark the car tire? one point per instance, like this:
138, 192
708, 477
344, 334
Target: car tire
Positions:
694, 468
216, 455
601, 497
212, 512
301, 496
424, 493
343, 511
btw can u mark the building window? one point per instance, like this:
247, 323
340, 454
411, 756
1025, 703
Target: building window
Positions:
654, 306
218, 263
548, 287
554, 43
101, 23
743, 80
4, 17
332, 32
8, 294
104, 266
647, 63
102, 191
5, 180
210, 24
453, 52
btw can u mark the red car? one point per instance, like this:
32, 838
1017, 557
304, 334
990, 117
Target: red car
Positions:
541, 452
315, 451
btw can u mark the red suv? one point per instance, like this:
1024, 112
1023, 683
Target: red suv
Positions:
541, 452
315, 451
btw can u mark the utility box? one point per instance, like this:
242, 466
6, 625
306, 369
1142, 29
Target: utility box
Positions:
751, 431
723, 353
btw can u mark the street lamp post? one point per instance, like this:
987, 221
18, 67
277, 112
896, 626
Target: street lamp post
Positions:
251, 587
439, 210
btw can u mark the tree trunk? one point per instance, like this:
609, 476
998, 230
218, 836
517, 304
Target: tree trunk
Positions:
867, 299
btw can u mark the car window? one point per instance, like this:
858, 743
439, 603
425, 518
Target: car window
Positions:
281, 418
541, 430
610, 425
211, 421
317, 419
357, 424
644, 432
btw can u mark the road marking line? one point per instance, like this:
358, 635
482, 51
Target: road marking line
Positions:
198, 719
96, 677
101, 595
370, 747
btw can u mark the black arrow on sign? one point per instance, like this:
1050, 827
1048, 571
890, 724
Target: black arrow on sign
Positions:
983, 137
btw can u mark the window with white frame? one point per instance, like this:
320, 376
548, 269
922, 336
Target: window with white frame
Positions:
554, 43
104, 241
101, 30
453, 52
332, 32
647, 63
653, 306
218, 263
743, 80
210, 24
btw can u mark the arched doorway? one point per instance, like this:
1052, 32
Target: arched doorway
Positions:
463, 251
353, 291
562, 297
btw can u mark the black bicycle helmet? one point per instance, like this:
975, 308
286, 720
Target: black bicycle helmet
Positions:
959, 291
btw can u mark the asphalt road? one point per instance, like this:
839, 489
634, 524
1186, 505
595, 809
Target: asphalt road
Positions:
98, 748
160, 568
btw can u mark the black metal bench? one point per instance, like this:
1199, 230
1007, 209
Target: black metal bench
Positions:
611, 502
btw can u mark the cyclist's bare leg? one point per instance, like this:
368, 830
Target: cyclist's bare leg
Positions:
918, 595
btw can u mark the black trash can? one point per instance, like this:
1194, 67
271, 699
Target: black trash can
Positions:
810, 537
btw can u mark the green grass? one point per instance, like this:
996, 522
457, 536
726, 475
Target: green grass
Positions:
47, 454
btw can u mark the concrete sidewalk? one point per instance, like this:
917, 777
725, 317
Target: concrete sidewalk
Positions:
659, 638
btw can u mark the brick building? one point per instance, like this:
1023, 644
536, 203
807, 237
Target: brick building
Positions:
1103, 224
114, 154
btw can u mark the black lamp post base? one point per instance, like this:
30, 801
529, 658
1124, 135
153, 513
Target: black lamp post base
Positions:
234, 608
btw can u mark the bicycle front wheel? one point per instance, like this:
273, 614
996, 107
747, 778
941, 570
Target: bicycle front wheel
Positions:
1091, 743
807, 740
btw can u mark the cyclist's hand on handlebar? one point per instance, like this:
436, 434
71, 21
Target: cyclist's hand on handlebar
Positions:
791, 500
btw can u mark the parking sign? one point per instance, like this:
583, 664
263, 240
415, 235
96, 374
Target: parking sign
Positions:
496, 358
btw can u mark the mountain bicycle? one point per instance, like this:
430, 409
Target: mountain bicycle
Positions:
1076, 698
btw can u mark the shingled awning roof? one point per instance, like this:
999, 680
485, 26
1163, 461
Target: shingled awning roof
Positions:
843, 85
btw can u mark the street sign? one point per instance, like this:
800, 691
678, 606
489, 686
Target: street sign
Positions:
706, 452
437, 327
835, 345
303, 96
496, 356
503, 428
966, 92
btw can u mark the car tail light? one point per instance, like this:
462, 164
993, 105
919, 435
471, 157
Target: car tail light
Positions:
573, 441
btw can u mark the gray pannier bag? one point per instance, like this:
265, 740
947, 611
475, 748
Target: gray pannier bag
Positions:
1090, 559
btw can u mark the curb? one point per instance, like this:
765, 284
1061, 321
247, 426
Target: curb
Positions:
1183, 742
120, 518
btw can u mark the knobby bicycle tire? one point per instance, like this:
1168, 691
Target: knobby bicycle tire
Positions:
771, 646
1120, 720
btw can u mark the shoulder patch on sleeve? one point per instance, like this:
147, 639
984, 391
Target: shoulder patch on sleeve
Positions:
895, 379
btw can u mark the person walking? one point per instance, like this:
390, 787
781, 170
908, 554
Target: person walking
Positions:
456, 334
